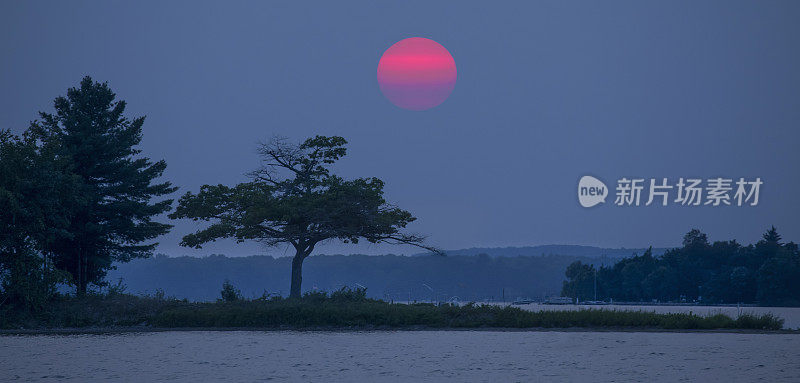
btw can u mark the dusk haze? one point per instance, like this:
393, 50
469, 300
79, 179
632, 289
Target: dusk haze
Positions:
400, 191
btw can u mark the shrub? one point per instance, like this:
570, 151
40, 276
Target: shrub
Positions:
230, 293
348, 294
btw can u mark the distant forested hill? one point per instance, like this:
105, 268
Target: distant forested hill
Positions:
388, 276
570, 250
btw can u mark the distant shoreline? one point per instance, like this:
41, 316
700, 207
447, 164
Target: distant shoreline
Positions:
147, 329
346, 310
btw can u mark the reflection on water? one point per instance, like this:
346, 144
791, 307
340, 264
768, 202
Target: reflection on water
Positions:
402, 355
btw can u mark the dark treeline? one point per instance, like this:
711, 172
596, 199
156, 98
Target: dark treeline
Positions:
76, 197
387, 277
767, 273
535, 251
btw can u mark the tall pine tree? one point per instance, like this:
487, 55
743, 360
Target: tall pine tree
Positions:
96, 143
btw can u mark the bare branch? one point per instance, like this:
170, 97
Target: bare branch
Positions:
409, 239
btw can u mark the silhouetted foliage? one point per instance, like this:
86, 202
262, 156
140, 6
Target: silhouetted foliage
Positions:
92, 141
767, 273
389, 277
36, 201
347, 294
350, 309
295, 199
229, 292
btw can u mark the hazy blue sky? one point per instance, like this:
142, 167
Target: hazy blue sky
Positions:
546, 92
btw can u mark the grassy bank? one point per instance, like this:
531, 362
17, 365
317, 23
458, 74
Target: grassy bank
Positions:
346, 309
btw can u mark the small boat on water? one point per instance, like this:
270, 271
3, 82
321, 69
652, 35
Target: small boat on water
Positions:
559, 301
523, 302
594, 303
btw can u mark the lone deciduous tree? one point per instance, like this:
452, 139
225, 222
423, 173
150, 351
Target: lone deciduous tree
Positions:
294, 198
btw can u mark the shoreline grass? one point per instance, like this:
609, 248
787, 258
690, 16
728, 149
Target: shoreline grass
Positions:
349, 310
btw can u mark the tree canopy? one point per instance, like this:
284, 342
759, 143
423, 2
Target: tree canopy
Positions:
294, 198
36, 203
92, 140
767, 273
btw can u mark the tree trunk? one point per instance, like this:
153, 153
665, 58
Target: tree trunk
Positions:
81, 290
297, 274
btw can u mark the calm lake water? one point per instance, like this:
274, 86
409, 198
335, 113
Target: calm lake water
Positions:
246, 356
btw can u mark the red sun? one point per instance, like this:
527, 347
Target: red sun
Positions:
417, 73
